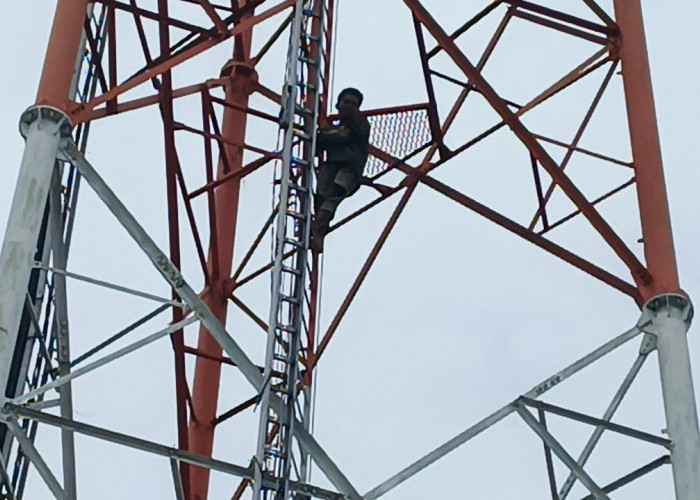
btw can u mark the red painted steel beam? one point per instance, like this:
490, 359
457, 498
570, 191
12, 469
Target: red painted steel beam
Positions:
577, 138
214, 16
151, 100
154, 16
461, 99
563, 28
603, 197
586, 152
61, 54
141, 34
313, 361
468, 25
81, 112
207, 375
234, 176
96, 56
602, 15
646, 151
639, 272
172, 167
433, 116
562, 16
541, 242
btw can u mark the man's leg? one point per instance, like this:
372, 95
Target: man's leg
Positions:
329, 194
324, 215
323, 204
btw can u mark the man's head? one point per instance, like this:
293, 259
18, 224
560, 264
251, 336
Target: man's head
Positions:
349, 102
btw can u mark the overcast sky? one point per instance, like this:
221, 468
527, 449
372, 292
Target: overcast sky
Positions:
457, 317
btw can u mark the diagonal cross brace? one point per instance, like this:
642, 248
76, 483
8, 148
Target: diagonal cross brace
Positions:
559, 451
199, 308
639, 272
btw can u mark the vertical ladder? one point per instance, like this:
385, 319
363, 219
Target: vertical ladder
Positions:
278, 462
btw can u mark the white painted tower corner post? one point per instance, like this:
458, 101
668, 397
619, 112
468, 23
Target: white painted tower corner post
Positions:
43, 127
671, 315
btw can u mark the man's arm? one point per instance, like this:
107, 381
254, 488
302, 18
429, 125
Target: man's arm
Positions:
334, 135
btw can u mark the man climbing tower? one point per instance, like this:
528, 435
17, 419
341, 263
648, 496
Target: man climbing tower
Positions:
338, 177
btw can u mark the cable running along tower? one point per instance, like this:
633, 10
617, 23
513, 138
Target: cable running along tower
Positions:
109, 60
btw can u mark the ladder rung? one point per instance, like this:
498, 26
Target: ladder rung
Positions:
303, 111
287, 328
294, 243
279, 357
291, 270
296, 215
309, 86
308, 61
297, 187
302, 134
287, 298
273, 453
311, 13
302, 162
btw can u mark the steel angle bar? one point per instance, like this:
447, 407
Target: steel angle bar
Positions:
195, 303
62, 335
544, 243
666, 459
44, 404
560, 452
111, 286
366, 267
600, 13
548, 457
133, 326
502, 413
561, 16
563, 28
586, 419
467, 26
579, 133
177, 59
35, 457
640, 273
177, 479
155, 448
607, 416
103, 361
5, 477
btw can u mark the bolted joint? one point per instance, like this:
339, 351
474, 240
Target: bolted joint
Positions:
5, 415
672, 304
649, 343
48, 116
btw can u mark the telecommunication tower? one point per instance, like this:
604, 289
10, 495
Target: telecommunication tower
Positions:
256, 118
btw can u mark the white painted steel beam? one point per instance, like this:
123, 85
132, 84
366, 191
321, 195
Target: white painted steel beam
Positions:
43, 129
35, 458
671, 315
607, 416
60, 258
560, 452
500, 414
168, 270
65, 379
12, 412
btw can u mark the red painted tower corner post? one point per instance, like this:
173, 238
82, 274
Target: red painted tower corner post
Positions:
670, 312
205, 394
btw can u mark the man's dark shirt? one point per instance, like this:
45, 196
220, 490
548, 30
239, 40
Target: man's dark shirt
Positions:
350, 150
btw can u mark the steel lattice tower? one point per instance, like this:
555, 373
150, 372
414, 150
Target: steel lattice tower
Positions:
238, 144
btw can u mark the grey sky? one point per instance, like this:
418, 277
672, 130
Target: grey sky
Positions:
457, 317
